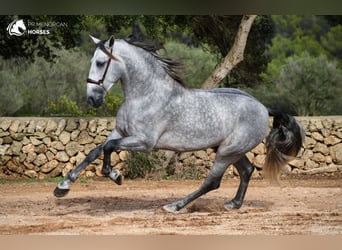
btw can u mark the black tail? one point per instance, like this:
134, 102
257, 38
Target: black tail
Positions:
283, 142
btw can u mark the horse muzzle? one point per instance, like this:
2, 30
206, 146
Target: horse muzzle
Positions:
95, 102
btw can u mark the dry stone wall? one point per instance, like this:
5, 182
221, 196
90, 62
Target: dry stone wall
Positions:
51, 147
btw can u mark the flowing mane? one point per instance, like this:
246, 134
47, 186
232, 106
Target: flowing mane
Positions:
168, 64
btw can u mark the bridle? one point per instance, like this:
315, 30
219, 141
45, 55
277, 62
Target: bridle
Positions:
110, 58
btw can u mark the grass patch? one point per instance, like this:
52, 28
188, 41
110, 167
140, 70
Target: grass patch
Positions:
54, 180
32, 180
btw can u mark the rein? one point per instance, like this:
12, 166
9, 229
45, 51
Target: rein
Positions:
111, 57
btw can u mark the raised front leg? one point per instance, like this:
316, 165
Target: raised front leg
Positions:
131, 143
245, 170
63, 187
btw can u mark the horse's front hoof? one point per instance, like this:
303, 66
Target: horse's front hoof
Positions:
116, 176
231, 205
119, 180
58, 192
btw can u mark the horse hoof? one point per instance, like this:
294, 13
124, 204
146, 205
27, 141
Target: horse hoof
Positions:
119, 180
58, 192
116, 176
231, 205
170, 208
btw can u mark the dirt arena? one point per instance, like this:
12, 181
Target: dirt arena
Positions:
309, 206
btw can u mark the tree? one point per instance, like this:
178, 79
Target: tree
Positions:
211, 31
216, 31
295, 34
219, 32
332, 41
234, 56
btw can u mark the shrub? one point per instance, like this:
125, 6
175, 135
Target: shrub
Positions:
109, 108
11, 88
63, 107
140, 164
306, 85
312, 85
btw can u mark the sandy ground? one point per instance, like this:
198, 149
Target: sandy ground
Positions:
299, 206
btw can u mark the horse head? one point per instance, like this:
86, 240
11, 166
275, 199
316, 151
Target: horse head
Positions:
104, 71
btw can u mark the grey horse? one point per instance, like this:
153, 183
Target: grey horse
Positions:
158, 112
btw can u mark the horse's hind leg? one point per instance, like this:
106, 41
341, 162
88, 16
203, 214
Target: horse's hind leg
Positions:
212, 182
245, 169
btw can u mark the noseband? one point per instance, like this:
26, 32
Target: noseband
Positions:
111, 57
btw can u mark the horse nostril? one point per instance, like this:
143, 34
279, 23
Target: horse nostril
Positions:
91, 101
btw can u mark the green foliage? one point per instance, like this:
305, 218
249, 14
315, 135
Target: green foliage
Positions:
40, 74
140, 164
109, 108
332, 41
296, 34
64, 107
299, 25
157, 27
46, 88
11, 97
113, 103
31, 47
95, 26
282, 48
247, 73
312, 85
303, 75
32, 180
41, 71
215, 33
219, 33
198, 62
306, 85
189, 172
46, 82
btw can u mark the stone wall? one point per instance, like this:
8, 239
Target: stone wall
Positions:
51, 147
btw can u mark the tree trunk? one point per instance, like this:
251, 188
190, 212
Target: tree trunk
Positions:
234, 56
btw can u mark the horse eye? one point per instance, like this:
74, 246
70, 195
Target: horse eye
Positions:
100, 64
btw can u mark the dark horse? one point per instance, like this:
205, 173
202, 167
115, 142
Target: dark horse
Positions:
160, 113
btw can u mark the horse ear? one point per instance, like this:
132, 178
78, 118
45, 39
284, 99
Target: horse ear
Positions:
95, 40
111, 41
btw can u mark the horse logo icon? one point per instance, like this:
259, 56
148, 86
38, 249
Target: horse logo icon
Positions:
16, 28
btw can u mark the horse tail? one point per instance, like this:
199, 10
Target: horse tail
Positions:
283, 142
